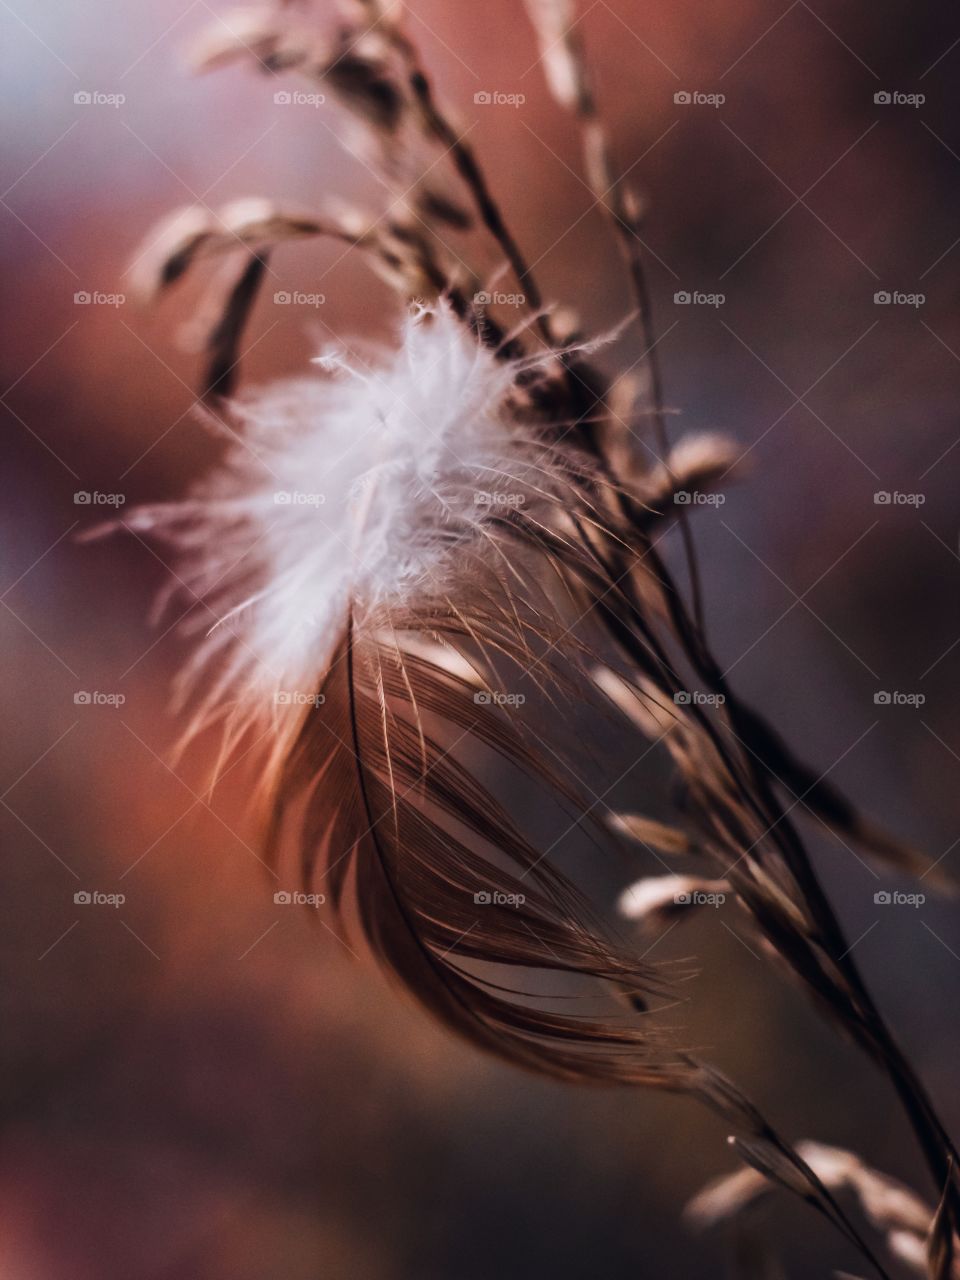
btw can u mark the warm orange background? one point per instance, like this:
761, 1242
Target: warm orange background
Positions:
202, 1086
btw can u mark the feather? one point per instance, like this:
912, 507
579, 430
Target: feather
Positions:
447, 889
357, 620
382, 537
423, 471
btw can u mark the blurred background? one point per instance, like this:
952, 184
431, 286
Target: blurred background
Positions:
200, 1084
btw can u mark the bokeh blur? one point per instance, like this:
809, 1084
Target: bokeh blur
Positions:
202, 1085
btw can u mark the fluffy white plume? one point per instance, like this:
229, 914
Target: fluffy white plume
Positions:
374, 485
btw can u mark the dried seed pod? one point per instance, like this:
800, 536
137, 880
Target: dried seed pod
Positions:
902, 1218
554, 22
